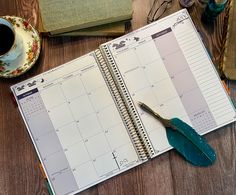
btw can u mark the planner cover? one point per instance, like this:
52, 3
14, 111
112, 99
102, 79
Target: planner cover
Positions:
83, 116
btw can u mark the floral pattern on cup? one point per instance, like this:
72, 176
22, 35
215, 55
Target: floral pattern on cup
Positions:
3, 66
12, 20
32, 46
32, 50
26, 25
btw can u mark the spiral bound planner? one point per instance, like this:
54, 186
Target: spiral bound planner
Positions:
83, 116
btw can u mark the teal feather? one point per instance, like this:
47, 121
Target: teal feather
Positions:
185, 140
234, 103
189, 143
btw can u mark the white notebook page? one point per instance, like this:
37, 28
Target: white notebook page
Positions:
166, 66
75, 126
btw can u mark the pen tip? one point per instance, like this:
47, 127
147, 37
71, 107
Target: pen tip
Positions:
140, 103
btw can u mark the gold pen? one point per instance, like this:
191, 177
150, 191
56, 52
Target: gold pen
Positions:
165, 122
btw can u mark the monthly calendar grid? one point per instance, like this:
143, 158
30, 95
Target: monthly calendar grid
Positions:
66, 101
146, 78
153, 92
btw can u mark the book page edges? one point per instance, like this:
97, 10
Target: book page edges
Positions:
91, 24
113, 29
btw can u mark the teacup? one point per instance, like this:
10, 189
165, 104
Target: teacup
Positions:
10, 42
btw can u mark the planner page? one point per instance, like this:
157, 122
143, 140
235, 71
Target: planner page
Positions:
75, 125
166, 66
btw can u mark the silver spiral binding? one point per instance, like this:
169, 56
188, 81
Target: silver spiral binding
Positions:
121, 106
136, 130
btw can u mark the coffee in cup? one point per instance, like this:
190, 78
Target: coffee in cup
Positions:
10, 41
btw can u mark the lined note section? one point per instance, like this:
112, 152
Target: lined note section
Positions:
205, 75
183, 80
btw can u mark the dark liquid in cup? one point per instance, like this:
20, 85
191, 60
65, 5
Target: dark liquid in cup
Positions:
6, 39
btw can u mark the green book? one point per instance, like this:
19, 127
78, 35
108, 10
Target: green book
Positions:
58, 16
228, 62
112, 29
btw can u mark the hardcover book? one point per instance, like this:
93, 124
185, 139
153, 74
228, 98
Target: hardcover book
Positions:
228, 65
58, 17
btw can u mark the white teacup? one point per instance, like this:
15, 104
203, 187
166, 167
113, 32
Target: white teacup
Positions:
11, 45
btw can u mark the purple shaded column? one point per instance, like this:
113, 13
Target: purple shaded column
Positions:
183, 80
47, 143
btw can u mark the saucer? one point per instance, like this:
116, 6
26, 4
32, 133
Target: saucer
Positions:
31, 49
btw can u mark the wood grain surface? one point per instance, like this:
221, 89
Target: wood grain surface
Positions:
165, 175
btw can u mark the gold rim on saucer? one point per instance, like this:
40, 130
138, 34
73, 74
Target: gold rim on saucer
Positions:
31, 47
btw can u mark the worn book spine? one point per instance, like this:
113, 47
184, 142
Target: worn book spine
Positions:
228, 55
113, 29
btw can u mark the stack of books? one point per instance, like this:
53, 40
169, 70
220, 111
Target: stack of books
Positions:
84, 17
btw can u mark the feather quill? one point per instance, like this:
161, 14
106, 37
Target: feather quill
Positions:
185, 140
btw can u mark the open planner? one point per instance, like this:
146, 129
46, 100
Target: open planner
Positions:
83, 116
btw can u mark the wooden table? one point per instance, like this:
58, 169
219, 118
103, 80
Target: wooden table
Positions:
166, 174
